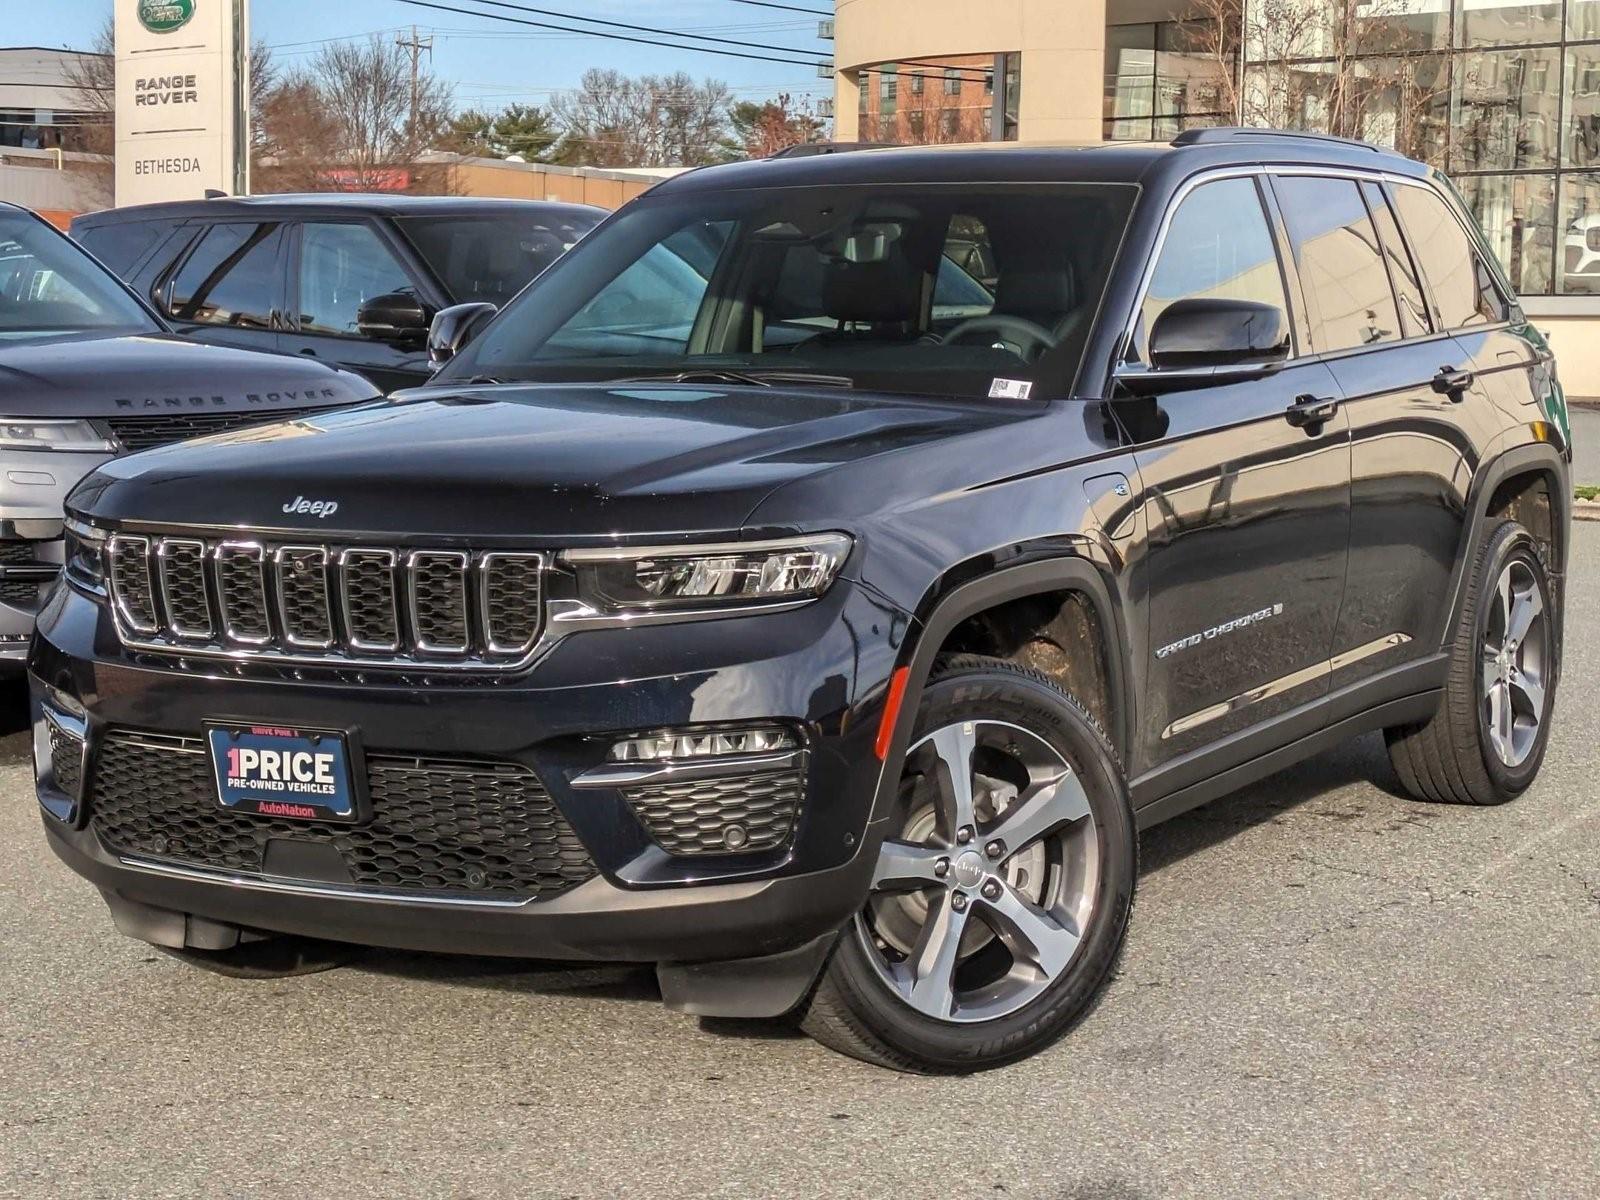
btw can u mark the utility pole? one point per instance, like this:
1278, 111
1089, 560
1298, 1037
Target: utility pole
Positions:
416, 45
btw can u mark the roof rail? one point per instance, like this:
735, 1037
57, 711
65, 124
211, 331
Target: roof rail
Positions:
1231, 133
808, 149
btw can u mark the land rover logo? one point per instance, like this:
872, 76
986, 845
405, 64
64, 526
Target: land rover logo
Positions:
163, 16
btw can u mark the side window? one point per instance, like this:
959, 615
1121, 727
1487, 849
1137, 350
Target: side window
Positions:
1341, 266
1463, 291
230, 278
1402, 272
122, 245
342, 266
1218, 246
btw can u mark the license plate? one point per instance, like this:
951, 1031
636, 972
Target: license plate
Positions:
283, 772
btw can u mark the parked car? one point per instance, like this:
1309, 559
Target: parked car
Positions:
730, 604
88, 372
352, 280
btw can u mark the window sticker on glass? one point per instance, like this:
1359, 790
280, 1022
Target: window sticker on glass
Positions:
1010, 389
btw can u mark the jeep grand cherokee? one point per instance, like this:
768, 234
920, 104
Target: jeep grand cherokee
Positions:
765, 596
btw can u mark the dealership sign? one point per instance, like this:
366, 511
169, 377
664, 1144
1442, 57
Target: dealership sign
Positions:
182, 92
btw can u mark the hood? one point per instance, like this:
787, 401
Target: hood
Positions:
582, 462
150, 374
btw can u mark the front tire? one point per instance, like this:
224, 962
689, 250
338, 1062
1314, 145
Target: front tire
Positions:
1487, 740
999, 907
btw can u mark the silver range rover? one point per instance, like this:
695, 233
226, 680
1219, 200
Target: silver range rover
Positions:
87, 372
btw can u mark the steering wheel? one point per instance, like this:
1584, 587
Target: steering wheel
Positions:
1024, 338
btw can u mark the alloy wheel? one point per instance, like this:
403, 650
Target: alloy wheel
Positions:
1516, 659
984, 898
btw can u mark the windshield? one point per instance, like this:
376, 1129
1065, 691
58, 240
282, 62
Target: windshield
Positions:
48, 287
966, 290
493, 257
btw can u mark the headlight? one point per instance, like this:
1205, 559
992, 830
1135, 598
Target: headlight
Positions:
85, 565
662, 581
25, 433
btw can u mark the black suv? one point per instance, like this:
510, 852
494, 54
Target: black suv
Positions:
352, 280
88, 372
765, 596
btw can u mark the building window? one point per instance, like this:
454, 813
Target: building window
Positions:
917, 124
950, 124
1163, 77
952, 81
1505, 94
916, 83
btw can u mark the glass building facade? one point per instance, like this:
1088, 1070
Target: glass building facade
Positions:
1502, 94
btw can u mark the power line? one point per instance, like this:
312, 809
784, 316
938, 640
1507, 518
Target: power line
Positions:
815, 12
546, 12
616, 37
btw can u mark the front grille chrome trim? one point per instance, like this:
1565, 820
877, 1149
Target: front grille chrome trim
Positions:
328, 604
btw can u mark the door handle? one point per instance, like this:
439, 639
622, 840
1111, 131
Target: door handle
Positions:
1309, 410
308, 352
1452, 383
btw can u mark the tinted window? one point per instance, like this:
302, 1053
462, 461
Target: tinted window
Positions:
49, 287
491, 257
1341, 266
1402, 272
1461, 290
341, 268
231, 277
1217, 246
122, 244
839, 280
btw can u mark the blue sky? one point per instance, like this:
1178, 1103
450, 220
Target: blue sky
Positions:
490, 62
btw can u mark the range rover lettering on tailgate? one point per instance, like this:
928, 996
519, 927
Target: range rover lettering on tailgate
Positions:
764, 595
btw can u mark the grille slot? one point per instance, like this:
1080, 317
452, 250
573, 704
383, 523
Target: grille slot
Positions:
692, 816
371, 619
488, 830
356, 605
144, 432
132, 590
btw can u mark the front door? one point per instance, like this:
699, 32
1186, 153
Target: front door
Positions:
1247, 504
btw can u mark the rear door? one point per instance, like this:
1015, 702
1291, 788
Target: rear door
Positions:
1420, 421
338, 267
1247, 507
228, 288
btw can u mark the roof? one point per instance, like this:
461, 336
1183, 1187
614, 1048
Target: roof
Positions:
373, 204
1014, 162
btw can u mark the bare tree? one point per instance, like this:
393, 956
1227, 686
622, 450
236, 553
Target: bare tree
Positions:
1351, 67
615, 120
760, 130
354, 119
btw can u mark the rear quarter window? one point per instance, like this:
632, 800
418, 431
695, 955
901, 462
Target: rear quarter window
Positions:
123, 245
1462, 289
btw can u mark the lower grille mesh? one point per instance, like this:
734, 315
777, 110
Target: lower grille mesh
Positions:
693, 817
439, 825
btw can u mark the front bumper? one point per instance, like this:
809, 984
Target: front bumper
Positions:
819, 671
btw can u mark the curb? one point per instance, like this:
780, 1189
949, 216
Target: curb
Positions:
1586, 510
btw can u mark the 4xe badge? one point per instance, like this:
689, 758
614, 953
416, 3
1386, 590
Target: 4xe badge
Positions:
273, 771
164, 16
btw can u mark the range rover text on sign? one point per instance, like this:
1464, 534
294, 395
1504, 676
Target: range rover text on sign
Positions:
183, 82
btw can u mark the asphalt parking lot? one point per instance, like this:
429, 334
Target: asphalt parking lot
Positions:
1329, 990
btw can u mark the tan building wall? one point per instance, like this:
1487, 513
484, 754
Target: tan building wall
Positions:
538, 181
1062, 43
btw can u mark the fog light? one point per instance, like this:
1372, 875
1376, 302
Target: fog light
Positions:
656, 747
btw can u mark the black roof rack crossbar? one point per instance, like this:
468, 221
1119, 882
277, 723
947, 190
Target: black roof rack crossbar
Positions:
1228, 133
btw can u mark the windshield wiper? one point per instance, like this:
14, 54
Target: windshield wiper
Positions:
753, 378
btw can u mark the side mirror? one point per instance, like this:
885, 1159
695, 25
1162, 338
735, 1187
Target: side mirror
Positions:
454, 327
393, 317
1199, 341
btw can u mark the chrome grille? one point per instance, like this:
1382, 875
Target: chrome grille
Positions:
359, 605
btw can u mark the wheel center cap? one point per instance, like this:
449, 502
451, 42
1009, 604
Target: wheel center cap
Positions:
969, 869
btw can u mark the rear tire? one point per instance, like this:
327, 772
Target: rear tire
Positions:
1487, 740
1042, 853
271, 958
